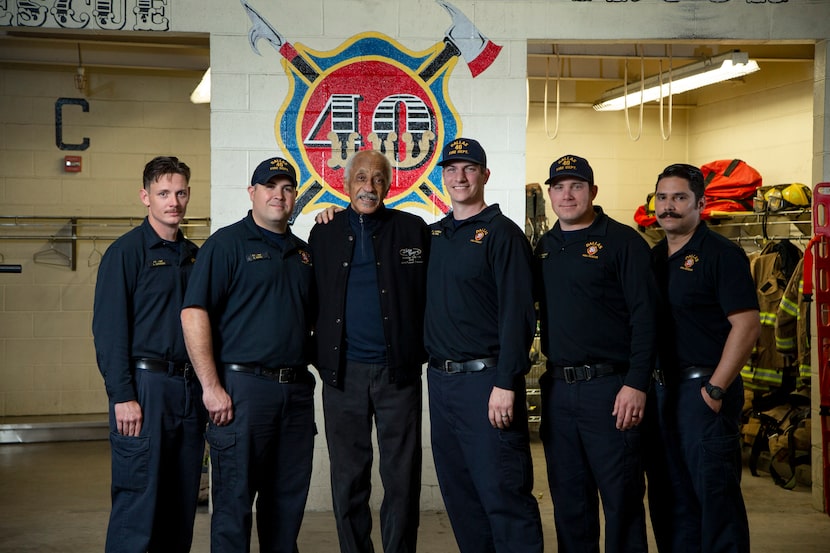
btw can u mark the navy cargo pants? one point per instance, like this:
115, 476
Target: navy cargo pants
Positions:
155, 476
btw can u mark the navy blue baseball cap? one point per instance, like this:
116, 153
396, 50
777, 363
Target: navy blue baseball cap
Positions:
571, 166
463, 149
273, 167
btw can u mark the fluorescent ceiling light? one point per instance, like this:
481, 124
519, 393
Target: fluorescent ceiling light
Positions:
689, 77
201, 94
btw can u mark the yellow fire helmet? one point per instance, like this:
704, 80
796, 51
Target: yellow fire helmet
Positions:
797, 194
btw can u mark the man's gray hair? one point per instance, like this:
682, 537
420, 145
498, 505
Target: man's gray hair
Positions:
387, 167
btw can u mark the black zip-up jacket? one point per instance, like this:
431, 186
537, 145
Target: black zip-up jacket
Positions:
401, 244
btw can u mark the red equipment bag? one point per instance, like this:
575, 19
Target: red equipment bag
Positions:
730, 179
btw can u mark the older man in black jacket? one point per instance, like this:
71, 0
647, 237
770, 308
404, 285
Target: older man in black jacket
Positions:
370, 265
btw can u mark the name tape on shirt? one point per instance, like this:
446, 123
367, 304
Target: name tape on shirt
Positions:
257, 256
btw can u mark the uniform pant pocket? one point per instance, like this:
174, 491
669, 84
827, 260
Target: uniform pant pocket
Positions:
720, 464
130, 459
222, 457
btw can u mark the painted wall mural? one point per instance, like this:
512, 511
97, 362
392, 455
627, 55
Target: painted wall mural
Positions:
111, 15
372, 92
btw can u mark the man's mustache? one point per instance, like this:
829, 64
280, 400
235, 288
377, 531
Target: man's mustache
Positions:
368, 196
671, 214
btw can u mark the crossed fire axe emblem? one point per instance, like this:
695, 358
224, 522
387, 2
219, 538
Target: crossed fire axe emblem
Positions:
462, 38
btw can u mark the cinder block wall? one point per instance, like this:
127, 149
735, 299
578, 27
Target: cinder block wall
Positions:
47, 359
768, 124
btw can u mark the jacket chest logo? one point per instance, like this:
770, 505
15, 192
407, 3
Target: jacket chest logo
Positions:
411, 256
479, 236
689, 262
305, 257
159, 263
592, 249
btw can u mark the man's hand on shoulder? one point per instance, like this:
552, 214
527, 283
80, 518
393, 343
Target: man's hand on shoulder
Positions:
325, 216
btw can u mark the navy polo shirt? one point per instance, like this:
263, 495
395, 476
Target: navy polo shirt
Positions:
258, 294
597, 298
702, 283
479, 293
138, 296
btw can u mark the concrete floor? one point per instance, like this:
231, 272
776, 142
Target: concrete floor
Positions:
54, 497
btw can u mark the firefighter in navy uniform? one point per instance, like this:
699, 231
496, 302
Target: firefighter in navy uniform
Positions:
709, 322
247, 321
597, 301
156, 416
480, 322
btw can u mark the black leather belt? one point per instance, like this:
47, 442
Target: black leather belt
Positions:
689, 373
283, 375
579, 373
473, 365
162, 366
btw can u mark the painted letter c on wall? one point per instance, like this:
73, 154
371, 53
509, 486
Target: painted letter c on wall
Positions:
59, 123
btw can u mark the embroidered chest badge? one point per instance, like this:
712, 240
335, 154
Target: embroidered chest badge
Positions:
479, 235
592, 249
305, 257
689, 262
159, 263
411, 256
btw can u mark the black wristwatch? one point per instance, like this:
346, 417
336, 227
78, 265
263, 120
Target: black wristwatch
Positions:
715, 392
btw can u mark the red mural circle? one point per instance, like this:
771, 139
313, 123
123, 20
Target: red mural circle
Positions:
368, 105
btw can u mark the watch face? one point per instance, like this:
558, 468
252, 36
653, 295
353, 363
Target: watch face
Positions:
715, 392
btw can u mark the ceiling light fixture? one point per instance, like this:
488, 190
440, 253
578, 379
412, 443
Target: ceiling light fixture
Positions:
201, 94
675, 81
